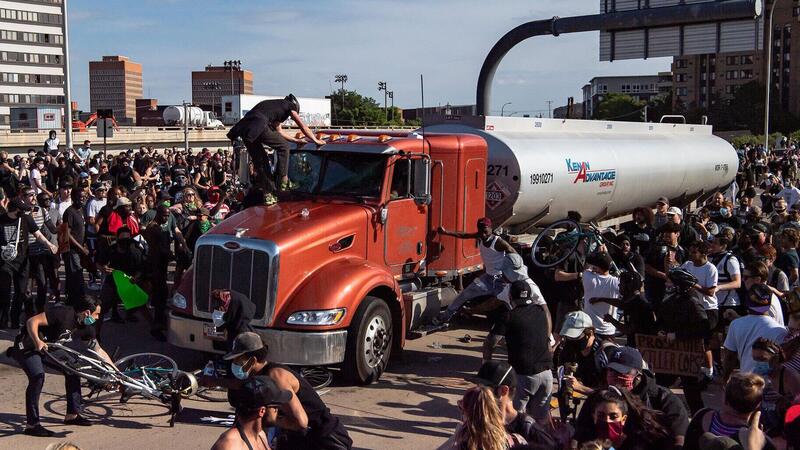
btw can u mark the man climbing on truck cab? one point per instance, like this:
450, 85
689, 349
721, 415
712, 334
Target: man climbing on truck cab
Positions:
493, 249
262, 126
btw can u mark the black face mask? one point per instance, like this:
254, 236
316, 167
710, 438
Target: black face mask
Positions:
578, 345
124, 242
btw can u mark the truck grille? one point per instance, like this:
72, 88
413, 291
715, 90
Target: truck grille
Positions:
247, 266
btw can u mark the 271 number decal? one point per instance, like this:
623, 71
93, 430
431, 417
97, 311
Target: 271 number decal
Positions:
496, 170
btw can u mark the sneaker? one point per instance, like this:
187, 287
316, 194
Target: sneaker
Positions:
270, 199
79, 421
39, 431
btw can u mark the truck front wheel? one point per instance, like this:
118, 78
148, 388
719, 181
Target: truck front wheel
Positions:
369, 342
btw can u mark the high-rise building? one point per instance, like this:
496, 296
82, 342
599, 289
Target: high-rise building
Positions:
115, 83
31, 55
209, 85
701, 81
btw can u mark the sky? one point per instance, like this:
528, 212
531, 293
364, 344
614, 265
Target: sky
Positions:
299, 46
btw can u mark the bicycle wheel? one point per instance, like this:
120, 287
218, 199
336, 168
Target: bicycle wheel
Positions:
213, 393
317, 377
75, 363
546, 254
149, 367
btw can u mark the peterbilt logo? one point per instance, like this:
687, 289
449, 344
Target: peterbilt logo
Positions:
583, 172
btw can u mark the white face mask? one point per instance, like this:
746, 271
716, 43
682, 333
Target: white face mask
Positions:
216, 317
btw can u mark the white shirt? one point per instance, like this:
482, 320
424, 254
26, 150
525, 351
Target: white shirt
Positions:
707, 277
745, 330
93, 209
600, 286
790, 194
536, 294
728, 297
57, 211
775, 310
36, 175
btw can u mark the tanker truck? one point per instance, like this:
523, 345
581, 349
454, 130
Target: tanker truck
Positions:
347, 265
197, 118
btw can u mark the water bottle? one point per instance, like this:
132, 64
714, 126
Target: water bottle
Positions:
209, 369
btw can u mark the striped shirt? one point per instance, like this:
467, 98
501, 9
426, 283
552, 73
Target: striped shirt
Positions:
794, 362
719, 428
35, 247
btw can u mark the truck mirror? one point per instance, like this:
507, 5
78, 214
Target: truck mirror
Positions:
422, 181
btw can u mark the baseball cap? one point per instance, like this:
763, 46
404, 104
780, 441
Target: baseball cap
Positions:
93, 171
625, 359
663, 200
244, 343
495, 373
259, 391
759, 298
520, 292
674, 210
575, 323
513, 267
484, 222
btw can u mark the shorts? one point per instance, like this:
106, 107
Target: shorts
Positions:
713, 323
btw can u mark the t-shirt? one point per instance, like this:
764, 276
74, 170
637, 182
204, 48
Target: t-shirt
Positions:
790, 194
727, 267
57, 210
775, 310
93, 210
528, 341
600, 286
36, 176
9, 227
129, 260
787, 261
60, 319
73, 217
707, 277
745, 330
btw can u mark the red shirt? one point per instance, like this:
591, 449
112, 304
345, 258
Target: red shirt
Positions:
115, 223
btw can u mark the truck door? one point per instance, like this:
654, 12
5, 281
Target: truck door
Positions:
407, 219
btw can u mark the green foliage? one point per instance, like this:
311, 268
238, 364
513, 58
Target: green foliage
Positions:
359, 110
620, 107
754, 140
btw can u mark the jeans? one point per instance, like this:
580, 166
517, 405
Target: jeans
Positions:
19, 279
73, 274
533, 394
31, 363
43, 270
483, 285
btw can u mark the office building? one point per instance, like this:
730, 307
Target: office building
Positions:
31, 55
115, 83
209, 85
640, 87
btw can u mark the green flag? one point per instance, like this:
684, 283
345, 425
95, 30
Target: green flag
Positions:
132, 296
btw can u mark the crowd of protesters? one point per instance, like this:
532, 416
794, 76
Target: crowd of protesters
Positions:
723, 274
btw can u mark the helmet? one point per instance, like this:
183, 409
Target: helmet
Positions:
294, 101
631, 280
185, 384
682, 279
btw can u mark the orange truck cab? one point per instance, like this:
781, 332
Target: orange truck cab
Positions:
349, 261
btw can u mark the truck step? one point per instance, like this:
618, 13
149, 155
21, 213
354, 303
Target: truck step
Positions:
425, 330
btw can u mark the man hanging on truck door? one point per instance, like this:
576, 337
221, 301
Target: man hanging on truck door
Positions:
493, 249
262, 126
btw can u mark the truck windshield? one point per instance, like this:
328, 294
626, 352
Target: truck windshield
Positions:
337, 173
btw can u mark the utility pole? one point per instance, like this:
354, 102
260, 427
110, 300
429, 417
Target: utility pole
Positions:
185, 126
341, 78
644, 113
549, 108
382, 87
67, 90
503, 108
768, 49
391, 97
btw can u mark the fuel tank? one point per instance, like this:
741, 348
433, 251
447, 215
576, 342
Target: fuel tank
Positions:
539, 169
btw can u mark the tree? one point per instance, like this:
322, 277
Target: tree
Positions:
359, 110
620, 107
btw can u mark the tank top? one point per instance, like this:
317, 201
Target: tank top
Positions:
492, 259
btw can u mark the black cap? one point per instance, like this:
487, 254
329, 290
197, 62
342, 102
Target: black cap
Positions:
495, 373
521, 293
670, 227
246, 342
259, 391
624, 359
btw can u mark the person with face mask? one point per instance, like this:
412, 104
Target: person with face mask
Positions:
306, 422
37, 176
124, 255
257, 404
629, 425
637, 313
782, 384
43, 264
233, 312
15, 226
627, 371
75, 233
579, 345
640, 230
50, 326
51, 144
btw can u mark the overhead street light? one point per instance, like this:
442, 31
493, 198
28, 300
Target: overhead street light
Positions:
382, 87
502, 108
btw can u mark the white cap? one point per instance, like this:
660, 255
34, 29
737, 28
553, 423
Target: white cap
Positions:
675, 210
575, 323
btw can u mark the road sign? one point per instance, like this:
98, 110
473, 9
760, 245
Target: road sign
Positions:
105, 128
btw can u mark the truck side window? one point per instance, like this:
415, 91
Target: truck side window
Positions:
400, 188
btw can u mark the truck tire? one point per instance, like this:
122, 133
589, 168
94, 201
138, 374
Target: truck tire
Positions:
369, 342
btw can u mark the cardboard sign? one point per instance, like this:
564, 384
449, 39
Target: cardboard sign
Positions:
679, 357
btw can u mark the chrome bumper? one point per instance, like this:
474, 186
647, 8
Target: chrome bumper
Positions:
285, 347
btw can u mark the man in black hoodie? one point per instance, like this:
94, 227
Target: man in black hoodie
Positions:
233, 312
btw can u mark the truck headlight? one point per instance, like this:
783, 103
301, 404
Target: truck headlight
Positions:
325, 317
179, 301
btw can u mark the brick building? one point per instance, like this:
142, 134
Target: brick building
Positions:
209, 85
115, 83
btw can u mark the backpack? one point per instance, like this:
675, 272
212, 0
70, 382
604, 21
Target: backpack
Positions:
725, 275
536, 434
